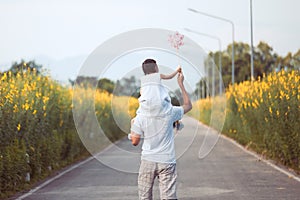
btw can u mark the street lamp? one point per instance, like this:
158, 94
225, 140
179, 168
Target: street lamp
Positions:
232, 25
206, 72
220, 58
251, 25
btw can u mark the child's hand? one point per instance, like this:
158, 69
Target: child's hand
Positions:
179, 69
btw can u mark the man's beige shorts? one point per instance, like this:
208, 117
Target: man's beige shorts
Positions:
166, 175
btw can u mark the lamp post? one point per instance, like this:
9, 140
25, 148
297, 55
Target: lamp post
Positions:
220, 58
232, 25
251, 25
206, 72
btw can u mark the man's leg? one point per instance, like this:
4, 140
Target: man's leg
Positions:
146, 179
167, 176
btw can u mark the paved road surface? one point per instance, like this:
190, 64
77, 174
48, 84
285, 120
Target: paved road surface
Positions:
227, 173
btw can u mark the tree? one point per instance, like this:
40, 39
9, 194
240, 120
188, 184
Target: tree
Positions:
266, 59
24, 66
265, 62
201, 89
287, 61
127, 87
241, 62
106, 84
86, 81
296, 60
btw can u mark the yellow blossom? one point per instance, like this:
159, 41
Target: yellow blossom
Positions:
266, 119
270, 110
4, 77
19, 127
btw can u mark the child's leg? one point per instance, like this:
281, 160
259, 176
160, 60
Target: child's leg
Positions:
178, 125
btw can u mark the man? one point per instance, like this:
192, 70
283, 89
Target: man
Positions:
158, 152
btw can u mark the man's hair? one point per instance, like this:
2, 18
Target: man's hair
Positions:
149, 66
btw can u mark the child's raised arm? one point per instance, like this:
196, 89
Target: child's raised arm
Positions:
169, 76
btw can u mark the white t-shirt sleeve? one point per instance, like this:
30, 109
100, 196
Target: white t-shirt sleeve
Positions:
136, 126
177, 113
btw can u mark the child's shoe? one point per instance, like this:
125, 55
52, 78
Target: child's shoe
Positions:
129, 136
179, 125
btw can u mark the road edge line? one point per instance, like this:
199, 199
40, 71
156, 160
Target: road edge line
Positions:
260, 158
254, 154
70, 168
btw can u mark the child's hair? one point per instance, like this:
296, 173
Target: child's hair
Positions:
149, 66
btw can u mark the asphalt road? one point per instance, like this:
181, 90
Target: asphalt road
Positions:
227, 173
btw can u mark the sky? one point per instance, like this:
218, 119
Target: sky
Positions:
61, 34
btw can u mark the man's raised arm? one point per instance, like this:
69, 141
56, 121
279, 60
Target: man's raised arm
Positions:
187, 105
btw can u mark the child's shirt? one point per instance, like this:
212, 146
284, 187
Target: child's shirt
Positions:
154, 99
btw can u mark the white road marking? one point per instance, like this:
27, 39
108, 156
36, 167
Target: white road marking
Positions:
258, 157
30, 192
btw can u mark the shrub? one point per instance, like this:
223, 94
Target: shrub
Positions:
264, 115
37, 130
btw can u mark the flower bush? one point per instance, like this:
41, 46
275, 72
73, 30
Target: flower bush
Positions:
264, 116
37, 130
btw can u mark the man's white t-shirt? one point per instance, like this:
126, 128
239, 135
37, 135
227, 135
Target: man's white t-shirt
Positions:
158, 135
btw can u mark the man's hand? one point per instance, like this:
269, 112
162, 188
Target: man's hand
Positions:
135, 138
180, 79
187, 105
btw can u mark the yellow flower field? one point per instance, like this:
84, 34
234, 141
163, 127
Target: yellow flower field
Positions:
264, 115
37, 130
